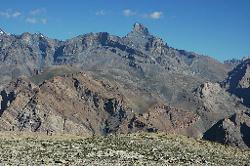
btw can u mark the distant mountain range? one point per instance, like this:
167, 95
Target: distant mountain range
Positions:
97, 83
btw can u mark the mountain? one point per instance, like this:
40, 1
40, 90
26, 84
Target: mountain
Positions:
232, 63
234, 130
137, 50
215, 103
135, 58
24, 54
98, 83
238, 81
77, 103
2, 32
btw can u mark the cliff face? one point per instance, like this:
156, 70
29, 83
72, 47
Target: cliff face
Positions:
77, 103
233, 131
238, 82
215, 103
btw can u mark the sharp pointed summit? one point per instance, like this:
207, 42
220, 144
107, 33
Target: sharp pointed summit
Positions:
140, 28
2, 32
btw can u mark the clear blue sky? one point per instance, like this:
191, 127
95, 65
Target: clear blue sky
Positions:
218, 28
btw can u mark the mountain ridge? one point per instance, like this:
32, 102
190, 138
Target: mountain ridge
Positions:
162, 88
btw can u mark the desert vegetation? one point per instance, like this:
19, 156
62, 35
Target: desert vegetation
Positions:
132, 149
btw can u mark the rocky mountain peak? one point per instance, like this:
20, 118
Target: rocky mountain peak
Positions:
129, 81
233, 62
240, 76
140, 29
2, 32
208, 89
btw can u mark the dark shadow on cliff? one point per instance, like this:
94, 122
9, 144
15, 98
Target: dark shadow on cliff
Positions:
243, 93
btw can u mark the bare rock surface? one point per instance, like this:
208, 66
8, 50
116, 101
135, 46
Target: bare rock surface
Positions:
238, 82
234, 130
98, 83
77, 103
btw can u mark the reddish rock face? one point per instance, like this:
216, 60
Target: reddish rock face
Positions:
161, 118
79, 104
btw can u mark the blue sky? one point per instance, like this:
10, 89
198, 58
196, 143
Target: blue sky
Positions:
218, 28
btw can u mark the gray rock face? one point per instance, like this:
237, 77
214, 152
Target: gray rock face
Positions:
140, 29
6, 99
239, 77
215, 103
2, 32
31, 53
26, 54
233, 94
234, 130
137, 60
238, 82
232, 63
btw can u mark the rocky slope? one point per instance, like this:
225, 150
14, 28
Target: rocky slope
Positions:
234, 130
25, 54
132, 60
2, 32
129, 84
139, 53
77, 103
238, 82
212, 103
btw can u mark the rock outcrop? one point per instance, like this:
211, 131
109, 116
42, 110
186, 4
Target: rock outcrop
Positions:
215, 103
2, 32
238, 82
234, 131
78, 103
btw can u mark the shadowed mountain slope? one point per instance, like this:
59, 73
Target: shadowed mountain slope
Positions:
238, 82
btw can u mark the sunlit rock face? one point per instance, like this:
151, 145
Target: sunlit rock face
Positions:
138, 83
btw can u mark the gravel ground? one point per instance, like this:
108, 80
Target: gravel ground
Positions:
134, 149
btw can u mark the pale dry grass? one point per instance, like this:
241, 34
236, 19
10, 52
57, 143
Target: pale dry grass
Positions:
134, 149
